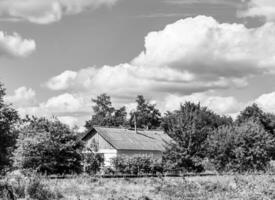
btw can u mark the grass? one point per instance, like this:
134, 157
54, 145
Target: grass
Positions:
250, 187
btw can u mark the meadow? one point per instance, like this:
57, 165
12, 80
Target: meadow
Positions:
246, 187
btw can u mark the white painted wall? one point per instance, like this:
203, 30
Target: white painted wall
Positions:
108, 155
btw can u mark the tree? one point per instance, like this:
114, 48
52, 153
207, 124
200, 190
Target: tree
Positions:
189, 127
254, 113
48, 146
8, 134
146, 115
119, 118
105, 114
240, 148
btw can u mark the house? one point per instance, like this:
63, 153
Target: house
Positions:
113, 142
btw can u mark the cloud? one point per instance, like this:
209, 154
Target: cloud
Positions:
189, 56
62, 81
15, 45
69, 120
219, 104
22, 96
259, 8
64, 103
216, 2
266, 102
70, 109
46, 11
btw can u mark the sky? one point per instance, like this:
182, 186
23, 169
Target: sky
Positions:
56, 55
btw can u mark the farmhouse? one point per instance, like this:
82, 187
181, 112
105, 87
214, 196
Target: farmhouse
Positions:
113, 142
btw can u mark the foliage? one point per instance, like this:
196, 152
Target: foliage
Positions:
247, 187
242, 148
30, 187
8, 133
38, 191
189, 127
105, 114
48, 147
137, 164
254, 113
146, 115
93, 162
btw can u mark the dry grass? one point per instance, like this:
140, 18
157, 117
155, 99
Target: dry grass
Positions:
193, 188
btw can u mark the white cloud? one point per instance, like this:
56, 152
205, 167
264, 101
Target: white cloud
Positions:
69, 120
190, 55
22, 96
62, 81
46, 11
267, 102
66, 103
58, 105
15, 45
260, 8
220, 105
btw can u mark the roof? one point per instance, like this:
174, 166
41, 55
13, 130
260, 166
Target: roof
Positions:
125, 139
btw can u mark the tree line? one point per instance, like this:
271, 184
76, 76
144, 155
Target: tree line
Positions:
200, 136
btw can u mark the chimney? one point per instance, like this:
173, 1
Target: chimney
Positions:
135, 122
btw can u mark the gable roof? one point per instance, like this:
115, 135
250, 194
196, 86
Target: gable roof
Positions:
124, 139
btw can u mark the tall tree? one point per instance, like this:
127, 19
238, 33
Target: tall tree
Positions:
8, 134
48, 146
105, 114
146, 115
189, 127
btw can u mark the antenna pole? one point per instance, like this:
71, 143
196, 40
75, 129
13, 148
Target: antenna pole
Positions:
135, 122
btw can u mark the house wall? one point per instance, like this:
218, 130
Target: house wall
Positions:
110, 152
155, 154
103, 148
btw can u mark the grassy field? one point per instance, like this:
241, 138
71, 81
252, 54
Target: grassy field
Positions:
251, 187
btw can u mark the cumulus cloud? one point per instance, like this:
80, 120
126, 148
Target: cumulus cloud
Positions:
70, 109
266, 102
66, 103
259, 8
15, 45
22, 96
69, 120
219, 104
188, 56
46, 11
62, 81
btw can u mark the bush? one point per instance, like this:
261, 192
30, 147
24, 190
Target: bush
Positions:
24, 186
136, 165
243, 148
38, 191
48, 146
93, 162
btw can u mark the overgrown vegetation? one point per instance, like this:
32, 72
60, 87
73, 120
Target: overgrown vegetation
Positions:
8, 132
27, 186
48, 147
241, 148
137, 165
193, 188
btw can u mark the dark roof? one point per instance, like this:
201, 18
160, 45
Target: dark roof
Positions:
125, 139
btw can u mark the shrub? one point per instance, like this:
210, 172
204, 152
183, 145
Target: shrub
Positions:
138, 164
48, 146
243, 148
93, 162
38, 191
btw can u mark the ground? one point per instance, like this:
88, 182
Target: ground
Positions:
250, 187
